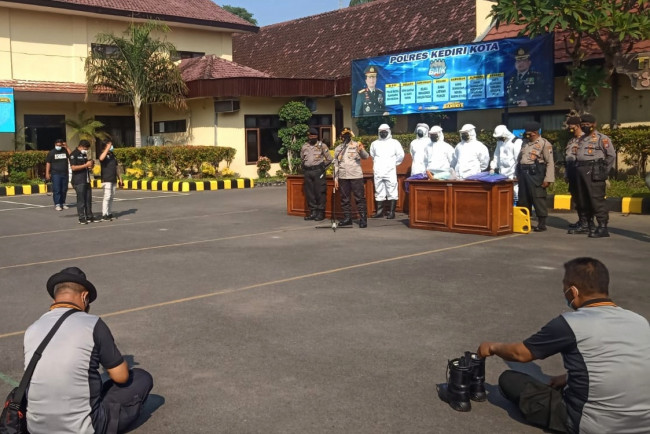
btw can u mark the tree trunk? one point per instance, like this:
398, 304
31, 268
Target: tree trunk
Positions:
136, 117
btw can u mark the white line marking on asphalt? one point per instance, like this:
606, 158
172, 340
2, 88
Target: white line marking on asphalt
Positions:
261, 284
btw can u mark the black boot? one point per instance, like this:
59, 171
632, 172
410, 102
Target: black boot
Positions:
347, 221
456, 391
601, 231
592, 228
477, 383
581, 226
320, 216
391, 212
380, 210
363, 220
311, 216
541, 224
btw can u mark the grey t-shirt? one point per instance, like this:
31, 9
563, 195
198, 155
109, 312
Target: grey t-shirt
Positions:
606, 352
65, 391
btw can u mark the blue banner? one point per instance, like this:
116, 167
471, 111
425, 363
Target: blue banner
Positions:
515, 72
7, 113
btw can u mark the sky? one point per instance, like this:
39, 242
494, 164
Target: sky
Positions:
276, 11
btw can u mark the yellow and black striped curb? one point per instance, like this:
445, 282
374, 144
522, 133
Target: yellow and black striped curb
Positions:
182, 186
25, 189
625, 205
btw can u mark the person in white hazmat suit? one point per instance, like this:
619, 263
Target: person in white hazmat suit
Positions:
387, 154
471, 157
505, 155
438, 156
417, 148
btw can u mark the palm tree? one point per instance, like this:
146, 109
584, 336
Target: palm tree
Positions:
137, 69
86, 128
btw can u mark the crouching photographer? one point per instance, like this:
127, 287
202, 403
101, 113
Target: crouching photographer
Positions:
605, 350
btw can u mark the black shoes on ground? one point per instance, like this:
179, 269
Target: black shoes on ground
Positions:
107, 218
465, 383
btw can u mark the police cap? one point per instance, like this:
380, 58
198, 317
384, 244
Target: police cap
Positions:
588, 118
573, 120
532, 126
522, 54
313, 132
371, 70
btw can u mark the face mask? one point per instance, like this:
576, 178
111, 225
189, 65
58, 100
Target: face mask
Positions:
111, 148
464, 136
434, 137
587, 129
58, 148
84, 151
383, 134
346, 138
420, 133
570, 302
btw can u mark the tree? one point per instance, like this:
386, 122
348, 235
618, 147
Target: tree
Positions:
615, 26
240, 12
358, 2
86, 128
136, 69
295, 114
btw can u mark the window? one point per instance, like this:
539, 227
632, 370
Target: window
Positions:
550, 120
262, 138
179, 55
103, 50
179, 126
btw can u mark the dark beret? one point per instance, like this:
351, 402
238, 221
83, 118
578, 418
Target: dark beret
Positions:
573, 120
532, 126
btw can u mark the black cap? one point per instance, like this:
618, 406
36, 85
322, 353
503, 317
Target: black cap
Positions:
573, 120
588, 118
532, 126
313, 132
75, 275
522, 54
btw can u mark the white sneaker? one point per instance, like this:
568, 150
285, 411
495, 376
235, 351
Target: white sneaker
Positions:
58, 208
65, 206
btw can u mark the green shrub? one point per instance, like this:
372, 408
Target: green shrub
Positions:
19, 178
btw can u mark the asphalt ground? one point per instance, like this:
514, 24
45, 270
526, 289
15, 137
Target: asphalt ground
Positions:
253, 321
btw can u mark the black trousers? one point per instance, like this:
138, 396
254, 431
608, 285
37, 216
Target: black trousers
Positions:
84, 201
315, 190
531, 192
356, 187
540, 404
591, 194
572, 180
122, 403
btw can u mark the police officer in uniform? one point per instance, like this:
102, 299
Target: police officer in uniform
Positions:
348, 177
535, 172
526, 87
370, 100
570, 174
315, 158
595, 157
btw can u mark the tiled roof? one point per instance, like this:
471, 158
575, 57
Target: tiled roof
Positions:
44, 86
512, 30
322, 46
201, 12
213, 67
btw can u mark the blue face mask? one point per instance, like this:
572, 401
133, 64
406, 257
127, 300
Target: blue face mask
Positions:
570, 304
58, 148
111, 148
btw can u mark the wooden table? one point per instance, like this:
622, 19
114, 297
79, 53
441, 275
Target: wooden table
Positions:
470, 207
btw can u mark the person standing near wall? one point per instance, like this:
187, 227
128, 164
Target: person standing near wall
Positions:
504, 161
315, 158
110, 178
56, 169
417, 148
387, 154
81, 167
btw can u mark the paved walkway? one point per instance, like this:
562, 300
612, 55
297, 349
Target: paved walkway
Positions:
252, 321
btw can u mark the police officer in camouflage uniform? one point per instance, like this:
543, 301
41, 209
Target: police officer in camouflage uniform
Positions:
570, 174
535, 172
315, 158
526, 87
370, 100
348, 177
595, 157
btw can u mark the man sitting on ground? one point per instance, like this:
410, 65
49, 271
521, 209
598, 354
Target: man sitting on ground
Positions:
66, 394
605, 350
